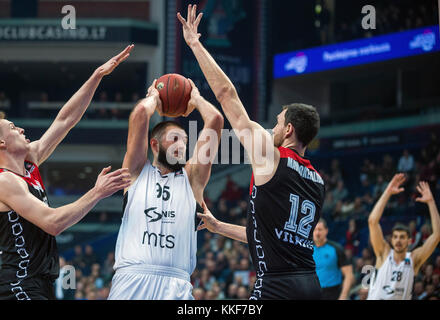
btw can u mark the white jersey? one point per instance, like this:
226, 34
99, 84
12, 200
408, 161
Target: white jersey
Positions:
393, 281
159, 223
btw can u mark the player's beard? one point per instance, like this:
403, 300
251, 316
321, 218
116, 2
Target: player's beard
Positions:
162, 158
277, 140
402, 249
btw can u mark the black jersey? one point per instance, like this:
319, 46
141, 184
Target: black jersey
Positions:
282, 215
26, 250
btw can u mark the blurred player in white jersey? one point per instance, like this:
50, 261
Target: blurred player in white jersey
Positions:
395, 266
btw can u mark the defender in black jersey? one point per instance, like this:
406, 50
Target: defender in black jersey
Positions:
286, 194
28, 226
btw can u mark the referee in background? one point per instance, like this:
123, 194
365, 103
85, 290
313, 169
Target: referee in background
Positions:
335, 273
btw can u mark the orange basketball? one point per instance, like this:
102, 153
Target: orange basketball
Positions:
175, 92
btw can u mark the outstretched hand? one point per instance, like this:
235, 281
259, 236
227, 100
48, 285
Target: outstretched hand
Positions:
395, 183
110, 65
425, 191
209, 221
110, 182
190, 25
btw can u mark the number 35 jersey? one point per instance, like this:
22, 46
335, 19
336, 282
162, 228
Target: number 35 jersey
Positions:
282, 215
159, 222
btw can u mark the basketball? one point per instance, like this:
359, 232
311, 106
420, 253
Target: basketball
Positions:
175, 92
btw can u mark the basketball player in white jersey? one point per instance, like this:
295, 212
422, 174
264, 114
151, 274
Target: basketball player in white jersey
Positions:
395, 266
157, 244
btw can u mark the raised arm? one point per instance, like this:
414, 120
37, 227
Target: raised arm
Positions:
72, 112
380, 246
138, 124
199, 166
232, 231
16, 196
255, 139
421, 254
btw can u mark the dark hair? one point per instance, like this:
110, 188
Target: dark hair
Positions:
160, 128
401, 227
305, 120
322, 220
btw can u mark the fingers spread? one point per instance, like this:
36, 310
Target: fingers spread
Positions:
181, 19
105, 170
199, 18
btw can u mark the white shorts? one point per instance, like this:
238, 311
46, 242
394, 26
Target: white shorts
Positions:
145, 282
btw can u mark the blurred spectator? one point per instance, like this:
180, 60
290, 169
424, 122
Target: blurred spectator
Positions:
437, 265
379, 187
102, 112
406, 162
4, 101
419, 291
89, 258
242, 293
232, 192
232, 291
107, 269
340, 193
416, 236
199, 294
352, 238
78, 259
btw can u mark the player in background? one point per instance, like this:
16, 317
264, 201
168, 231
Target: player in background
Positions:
28, 225
286, 192
157, 241
396, 267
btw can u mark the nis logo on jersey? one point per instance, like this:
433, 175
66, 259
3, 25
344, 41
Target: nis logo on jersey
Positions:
154, 216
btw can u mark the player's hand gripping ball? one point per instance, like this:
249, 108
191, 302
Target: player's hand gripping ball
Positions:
175, 93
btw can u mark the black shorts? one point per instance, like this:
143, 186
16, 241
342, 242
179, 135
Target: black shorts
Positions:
297, 286
331, 293
30, 289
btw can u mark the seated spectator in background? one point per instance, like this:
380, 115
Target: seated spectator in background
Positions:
198, 294
419, 291
78, 259
352, 238
365, 187
436, 282
231, 292
416, 236
429, 292
437, 265
89, 259
4, 101
428, 272
107, 268
336, 174
388, 168
242, 275
102, 112
433, 148
232, 192
406, 162
340, 193
116, 113
379, 187
242, 293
